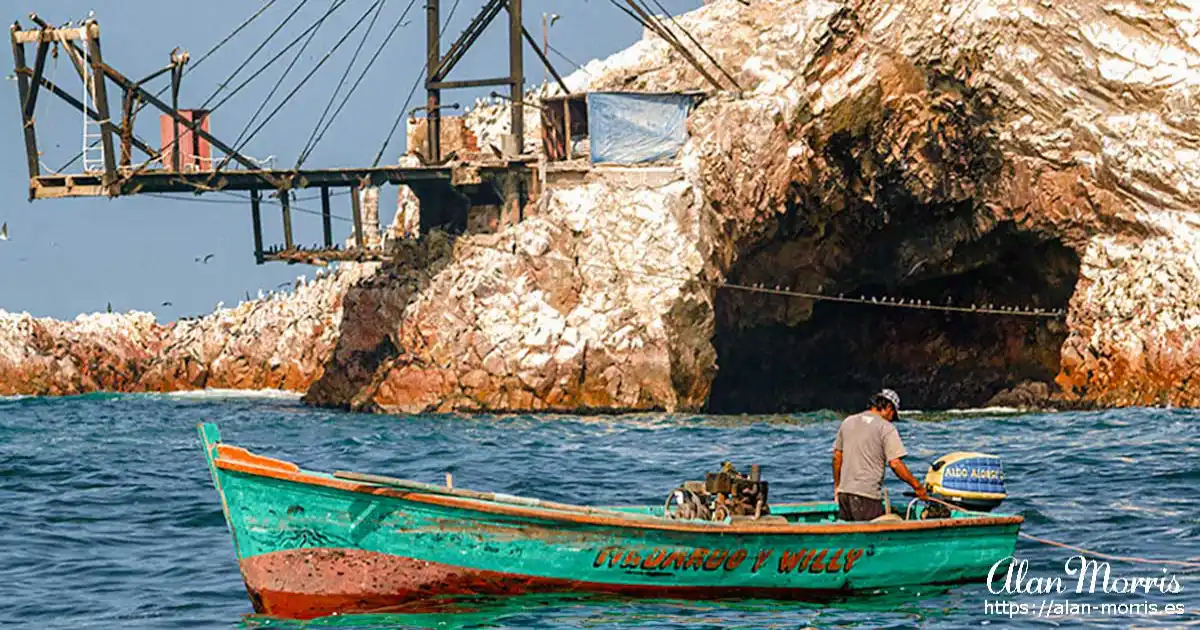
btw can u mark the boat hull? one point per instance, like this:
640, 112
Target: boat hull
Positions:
311, 545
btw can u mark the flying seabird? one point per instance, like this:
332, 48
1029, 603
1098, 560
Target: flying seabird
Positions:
167, 304
204, 261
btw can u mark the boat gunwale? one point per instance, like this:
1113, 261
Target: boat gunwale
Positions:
305, 477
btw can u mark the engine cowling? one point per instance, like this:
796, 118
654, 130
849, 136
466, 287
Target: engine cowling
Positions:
974, 481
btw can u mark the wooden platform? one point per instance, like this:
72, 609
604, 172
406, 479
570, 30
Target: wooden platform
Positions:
322, 257
468, 180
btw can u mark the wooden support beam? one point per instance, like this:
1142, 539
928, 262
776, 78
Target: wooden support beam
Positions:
516, 65
31, 152
326, 216
91, 113
356, 205
256, 217
52, 34
567, 126
176, 76
470, 83
100, 91
433, 100
464, 42
39, 67
545, 60
285, 202
194, 127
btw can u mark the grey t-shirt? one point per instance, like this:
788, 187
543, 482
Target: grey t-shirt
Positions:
868, 443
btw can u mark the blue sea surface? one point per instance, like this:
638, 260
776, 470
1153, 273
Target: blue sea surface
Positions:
109, 518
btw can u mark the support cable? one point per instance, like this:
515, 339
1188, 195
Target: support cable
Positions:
341, 81
214, 108
411, 93
142, 105
697, 43
281, 79
643, 17
277, 56
657, 26
316, 138
299, 86
221, 43
239, 201
254, 53
567, 59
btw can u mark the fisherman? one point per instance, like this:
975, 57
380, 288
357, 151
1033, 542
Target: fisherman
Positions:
864, 443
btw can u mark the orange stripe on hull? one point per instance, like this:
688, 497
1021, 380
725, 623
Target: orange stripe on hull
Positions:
309, 583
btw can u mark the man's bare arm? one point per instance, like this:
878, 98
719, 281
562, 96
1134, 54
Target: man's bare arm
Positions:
837, 470
902, 472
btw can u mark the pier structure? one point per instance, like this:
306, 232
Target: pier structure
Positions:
183, 161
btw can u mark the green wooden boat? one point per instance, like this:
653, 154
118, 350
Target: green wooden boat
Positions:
311, 544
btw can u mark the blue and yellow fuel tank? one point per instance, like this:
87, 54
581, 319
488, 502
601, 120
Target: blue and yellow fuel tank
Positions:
972, 480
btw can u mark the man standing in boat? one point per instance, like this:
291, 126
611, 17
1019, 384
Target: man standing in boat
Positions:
865, 443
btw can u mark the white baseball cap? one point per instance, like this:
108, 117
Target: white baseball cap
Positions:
892, 397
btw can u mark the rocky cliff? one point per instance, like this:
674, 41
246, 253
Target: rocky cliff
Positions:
281, 341
1008, 153
1005, 152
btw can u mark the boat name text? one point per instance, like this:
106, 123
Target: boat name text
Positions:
702, 559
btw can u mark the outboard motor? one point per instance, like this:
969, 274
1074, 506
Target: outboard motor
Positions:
974, 481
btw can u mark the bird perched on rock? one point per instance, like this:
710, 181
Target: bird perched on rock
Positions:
109, 309
4, 232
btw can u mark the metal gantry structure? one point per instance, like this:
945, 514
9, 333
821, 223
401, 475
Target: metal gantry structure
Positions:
445, 189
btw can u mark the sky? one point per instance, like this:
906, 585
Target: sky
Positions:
70, 256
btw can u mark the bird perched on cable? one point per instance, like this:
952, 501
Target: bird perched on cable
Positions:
204, 261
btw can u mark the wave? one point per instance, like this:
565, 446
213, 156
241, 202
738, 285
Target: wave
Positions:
196, 394
968, 411
224, 394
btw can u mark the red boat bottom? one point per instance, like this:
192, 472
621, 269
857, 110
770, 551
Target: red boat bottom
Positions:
308, 583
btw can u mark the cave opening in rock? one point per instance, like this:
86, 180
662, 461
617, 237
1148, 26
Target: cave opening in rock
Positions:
780, 354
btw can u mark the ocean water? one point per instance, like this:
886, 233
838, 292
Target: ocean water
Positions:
109, 519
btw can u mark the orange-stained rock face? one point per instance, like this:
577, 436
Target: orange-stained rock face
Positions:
278, 342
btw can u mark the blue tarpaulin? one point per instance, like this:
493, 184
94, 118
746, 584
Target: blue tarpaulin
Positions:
630, 127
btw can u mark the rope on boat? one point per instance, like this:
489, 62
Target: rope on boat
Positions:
1054, 543
1133, 559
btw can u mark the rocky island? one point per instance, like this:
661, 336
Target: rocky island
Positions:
1014, 153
